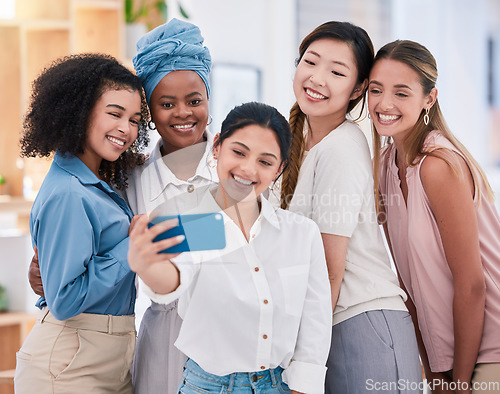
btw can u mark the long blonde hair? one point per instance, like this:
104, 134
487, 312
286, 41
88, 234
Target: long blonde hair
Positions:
421, 60
362, 48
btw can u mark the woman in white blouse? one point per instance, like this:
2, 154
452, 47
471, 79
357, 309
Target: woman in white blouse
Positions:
258, 310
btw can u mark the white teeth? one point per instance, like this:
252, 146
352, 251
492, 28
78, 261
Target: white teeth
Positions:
183, 126
315, 95
387, 118
242, 181
116, 140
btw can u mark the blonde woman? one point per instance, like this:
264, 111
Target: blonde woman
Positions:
440, 220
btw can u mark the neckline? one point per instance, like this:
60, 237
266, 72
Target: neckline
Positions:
306, 132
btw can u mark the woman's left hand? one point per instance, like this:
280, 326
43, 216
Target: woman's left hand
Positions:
133, 222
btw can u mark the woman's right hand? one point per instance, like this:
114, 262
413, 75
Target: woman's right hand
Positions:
143, 252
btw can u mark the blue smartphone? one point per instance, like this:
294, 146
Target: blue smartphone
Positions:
202, 231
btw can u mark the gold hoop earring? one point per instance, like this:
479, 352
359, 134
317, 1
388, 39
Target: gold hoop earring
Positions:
426, 116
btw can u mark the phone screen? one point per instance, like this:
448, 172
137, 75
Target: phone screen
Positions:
202, 232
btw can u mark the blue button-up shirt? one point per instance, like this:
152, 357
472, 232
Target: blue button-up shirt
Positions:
80, 226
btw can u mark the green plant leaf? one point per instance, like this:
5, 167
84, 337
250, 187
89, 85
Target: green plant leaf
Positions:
161, 6
143, 11
183, 12
128, 10
130, 15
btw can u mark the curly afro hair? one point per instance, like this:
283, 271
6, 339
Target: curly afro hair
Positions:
61, 104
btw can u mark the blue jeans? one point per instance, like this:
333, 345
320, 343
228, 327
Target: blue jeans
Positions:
197, 381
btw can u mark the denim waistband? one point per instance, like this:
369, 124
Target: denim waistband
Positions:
236, 378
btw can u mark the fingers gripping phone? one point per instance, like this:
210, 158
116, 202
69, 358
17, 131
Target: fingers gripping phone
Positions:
201, 231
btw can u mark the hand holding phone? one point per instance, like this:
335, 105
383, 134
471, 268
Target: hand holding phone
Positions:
202, 232
143, 252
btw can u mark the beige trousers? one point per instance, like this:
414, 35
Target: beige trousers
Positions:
486, 379
85, 354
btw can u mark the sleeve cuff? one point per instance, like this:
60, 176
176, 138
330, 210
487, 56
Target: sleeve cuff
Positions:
342, 229
305, 377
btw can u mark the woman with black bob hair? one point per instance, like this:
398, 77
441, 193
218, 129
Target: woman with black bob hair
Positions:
256, 315
259, 114
89, 112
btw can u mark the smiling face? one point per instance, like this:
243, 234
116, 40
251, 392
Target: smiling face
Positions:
113, 127
179, 109
396, 98
248, 161
325, 80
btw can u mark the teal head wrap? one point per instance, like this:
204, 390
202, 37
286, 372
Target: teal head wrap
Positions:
176, 45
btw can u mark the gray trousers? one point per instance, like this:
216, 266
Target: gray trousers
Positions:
158, 364
375, 351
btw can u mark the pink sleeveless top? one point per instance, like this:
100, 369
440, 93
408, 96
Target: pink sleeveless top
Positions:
422, 264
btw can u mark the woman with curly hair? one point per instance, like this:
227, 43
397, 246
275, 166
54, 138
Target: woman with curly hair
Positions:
173, 66
89, 111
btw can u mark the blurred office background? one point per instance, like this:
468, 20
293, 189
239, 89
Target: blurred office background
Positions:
254, 48
463, 35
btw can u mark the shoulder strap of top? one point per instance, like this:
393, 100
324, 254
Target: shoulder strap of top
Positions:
436, 141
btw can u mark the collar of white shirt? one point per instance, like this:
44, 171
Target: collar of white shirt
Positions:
155, 168
267, 210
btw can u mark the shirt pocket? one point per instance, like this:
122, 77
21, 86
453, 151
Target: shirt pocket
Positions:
294, 282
